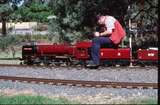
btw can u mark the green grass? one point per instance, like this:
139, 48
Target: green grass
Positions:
143, 100
29, 99
9, 54
25, 99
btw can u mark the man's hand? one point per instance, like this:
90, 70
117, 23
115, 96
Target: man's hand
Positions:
97, 34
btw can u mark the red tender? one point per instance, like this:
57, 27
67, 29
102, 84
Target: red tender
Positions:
148, 55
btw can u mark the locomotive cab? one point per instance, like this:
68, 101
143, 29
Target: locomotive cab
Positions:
28, 53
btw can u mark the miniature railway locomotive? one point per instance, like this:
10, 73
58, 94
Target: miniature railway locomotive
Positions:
79, 53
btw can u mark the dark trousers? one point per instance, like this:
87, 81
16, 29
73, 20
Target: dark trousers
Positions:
97, 42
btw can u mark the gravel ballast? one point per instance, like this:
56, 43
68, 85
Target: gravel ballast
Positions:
83, 95
105, 74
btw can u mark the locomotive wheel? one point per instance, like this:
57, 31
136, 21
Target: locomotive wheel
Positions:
46, 61
21, 63
68, 63
141, 64
83, 63
57, 63
124, 63
30, 62
108, 63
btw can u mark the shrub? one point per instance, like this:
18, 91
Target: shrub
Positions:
7, 41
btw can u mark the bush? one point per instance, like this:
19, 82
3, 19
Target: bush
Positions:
7, 41
41, 28
13, 40
39, 37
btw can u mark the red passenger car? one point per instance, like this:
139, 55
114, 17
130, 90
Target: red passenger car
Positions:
147, 56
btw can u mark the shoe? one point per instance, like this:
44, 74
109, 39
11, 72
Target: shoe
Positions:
92, 66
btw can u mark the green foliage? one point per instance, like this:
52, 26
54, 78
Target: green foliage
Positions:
74, 16
145, 14
13, 40
68, 24
41, 27
5, 8
26, 38
38, 7
36, 11
7, 41
147, 11
23, 99
77, 16
39, 38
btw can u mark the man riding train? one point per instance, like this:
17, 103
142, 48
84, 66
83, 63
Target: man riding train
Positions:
111, 34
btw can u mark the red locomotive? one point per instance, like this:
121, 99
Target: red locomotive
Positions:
79, 53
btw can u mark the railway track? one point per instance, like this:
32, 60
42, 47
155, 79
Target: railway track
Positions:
79, 83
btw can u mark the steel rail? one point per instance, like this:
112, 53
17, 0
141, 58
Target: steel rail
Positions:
81, 83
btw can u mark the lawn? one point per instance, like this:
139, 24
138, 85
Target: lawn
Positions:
142, 100
9, 54
6, 57
30, 99
26, 99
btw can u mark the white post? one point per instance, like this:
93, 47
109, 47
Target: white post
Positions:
130, 40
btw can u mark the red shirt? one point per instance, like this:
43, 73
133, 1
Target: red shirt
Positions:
118, 32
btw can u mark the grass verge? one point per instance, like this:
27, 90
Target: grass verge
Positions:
25, 99
143, 100
10, 55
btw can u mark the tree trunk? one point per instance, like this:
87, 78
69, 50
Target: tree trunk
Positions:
4, 31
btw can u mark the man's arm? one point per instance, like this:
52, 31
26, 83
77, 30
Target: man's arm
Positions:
106, 33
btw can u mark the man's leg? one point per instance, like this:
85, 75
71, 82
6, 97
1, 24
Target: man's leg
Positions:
95, 49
